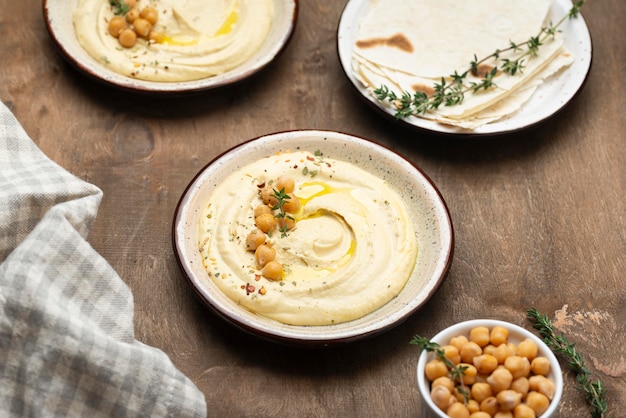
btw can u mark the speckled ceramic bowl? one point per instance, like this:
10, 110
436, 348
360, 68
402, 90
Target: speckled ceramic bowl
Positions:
426, 207
516, 335
58, 18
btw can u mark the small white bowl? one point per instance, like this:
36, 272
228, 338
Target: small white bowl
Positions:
425, 205
516, 335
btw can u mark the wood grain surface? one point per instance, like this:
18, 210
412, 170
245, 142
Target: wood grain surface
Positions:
539, 216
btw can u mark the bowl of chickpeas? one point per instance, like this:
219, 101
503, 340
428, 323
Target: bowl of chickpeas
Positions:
488, 368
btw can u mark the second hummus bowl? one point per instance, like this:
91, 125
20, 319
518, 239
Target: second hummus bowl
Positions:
426, 209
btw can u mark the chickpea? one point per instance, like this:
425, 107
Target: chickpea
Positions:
434, 369
443, 381
518, 366
479, 335
441, 397
127, 38
254, 239
503, 414
132, 15
116, 25
458, 410
452, 353
528, 349
480, 414
470, 350
156, 37
538, 402
523, 411
508, 399
291, 205
520, 385
469, 374
150, 14
142, 27
265, 222
489, 349
489, 405
500, 379
542, 385
273, 270
485, 363
473, 406
131, 3
501, 353
481, 391
286, 222
540, 365
262, 210
498, 335
266, 196
458, 341
264, 254
285, 183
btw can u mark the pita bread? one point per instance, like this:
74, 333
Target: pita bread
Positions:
391, 49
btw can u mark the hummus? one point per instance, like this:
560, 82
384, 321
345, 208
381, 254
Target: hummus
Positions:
352, 249
202, 38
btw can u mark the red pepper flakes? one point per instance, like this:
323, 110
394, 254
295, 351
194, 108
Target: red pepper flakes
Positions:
310, 158
257, 277
249, 289
260, 186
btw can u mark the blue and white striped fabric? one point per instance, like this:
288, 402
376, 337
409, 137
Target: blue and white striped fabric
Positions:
67, 345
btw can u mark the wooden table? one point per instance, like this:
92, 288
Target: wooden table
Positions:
539, 216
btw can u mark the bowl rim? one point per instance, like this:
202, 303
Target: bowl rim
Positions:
296, 334
456, 329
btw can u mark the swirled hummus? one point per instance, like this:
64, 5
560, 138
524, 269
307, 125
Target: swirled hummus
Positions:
202, 38
351, 251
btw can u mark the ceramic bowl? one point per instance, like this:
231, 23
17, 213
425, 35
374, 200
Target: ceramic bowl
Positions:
516, 335
426, 207
58, 18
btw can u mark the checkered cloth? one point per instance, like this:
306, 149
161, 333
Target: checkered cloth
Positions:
67, 345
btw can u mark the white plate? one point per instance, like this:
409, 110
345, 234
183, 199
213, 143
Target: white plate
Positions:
549, 98
58, 17
427, 209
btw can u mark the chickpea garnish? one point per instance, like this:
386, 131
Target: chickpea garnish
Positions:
116, 25
264, 254
150, 14
127, 38
273, 270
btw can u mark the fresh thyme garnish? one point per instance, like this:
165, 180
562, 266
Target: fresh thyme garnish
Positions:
452, 91
281, 198
456, 371
595, 391
120, 7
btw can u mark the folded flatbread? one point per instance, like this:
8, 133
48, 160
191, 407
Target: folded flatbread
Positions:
409, 46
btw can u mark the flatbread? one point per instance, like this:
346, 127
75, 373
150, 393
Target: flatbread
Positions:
406, 47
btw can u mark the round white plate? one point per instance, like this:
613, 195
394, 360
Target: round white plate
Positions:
550, 97
427, 209
58, 17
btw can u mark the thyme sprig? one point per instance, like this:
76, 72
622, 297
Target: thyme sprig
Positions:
595, 391
456, 370
281, 198
452, 91
120, 7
